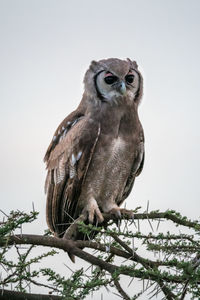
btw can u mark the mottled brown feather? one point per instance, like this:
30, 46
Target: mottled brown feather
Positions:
62, 196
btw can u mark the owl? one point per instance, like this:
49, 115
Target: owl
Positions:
98, 149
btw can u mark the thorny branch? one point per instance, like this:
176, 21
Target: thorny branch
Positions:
173, 284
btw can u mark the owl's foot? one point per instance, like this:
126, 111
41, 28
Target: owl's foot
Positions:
92, 210
119, 213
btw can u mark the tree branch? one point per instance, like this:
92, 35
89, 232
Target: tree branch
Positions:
169, 215
148, 269
13, 295
71, 247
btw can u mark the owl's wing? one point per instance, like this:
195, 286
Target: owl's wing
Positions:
68, 158
136, 169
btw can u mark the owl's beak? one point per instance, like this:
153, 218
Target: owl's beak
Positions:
121, 87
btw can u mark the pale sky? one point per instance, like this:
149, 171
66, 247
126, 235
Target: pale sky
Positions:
45, 48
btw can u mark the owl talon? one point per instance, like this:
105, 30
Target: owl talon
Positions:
116, 212
91, 211
128, 213
120, 212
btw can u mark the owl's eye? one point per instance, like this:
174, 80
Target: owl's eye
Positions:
129, 78
110, 79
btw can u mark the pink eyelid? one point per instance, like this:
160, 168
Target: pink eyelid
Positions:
108, 74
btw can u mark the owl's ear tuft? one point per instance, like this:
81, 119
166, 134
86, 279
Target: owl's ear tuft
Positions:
133, 63
94, 65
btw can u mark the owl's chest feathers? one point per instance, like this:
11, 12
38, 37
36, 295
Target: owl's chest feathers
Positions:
119, 121
120, 131
115, 151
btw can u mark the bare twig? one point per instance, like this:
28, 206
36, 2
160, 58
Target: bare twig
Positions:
121, 291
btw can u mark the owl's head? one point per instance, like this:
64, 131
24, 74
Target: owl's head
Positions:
112, 79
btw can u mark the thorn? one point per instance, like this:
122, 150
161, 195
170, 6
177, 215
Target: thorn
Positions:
150, 224
133, 246
4, 213
138, 225
130, 281
158, 225
21, 230
132, 219
147, 206
69, 268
